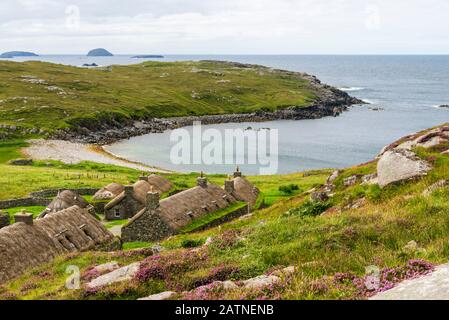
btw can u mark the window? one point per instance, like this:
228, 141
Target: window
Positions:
117, 212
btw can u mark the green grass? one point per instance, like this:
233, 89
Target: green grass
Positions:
155, 89
320, 246
206, 219
35, 210
116, 223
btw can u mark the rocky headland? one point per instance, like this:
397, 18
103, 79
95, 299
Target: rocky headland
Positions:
330, 102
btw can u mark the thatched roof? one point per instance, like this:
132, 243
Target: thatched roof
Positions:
141, 188
159, 183
25, 246
64, 200
109, 192
245, 191
180, 209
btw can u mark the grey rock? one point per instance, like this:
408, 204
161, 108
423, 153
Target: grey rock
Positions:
107, 267
399, 165
350, 181
319, 196
160, 296
333, 177
261, 281
126, 273
434, 286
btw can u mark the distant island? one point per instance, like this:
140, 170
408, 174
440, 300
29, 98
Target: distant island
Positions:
90, 65
147, 56
100, 52
12, 54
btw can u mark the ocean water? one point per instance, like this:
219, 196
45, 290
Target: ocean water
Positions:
408, 88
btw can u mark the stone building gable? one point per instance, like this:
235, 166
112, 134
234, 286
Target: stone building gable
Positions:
146, 226
24, 246
245, 191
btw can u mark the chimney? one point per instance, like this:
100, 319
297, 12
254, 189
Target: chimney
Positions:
229, 186
143, 177
24, 217
237, 172
152, 200
129, 190
201, 181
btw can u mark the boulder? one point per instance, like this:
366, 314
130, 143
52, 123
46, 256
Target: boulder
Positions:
107, 267
333, 177
399, 165
260, 281
123, 274
160, 296
319, 196
355, 204
285, 272
369, 179
350, 181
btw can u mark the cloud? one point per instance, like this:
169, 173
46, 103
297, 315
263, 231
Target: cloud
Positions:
232, 26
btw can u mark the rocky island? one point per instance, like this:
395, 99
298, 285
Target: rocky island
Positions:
13, 54
100, 52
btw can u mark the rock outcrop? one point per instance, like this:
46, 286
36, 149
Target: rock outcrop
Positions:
399, 165
123, 274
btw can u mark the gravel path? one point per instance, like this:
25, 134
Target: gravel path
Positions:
72, 153
434, 286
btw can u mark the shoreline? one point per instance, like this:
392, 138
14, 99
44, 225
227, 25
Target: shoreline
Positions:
73, 153
106, 134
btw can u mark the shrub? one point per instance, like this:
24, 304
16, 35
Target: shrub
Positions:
288, 189
189, 243
309, 208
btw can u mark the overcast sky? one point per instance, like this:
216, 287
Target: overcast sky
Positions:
226, 26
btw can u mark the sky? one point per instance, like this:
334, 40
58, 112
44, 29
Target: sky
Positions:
226, 26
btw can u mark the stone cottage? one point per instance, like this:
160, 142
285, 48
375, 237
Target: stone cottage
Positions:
29, 243
242, 189
133, 198
64, 200
161, 219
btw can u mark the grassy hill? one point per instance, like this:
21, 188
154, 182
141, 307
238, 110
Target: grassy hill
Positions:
397, 229
50, 96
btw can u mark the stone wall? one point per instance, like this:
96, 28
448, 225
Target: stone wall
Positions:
146, 228
4, 220
38, 198
54, 192
24, 202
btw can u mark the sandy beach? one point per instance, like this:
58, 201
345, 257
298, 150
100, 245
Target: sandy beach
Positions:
73, 153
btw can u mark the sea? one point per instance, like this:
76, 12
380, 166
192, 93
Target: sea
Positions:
403, 93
